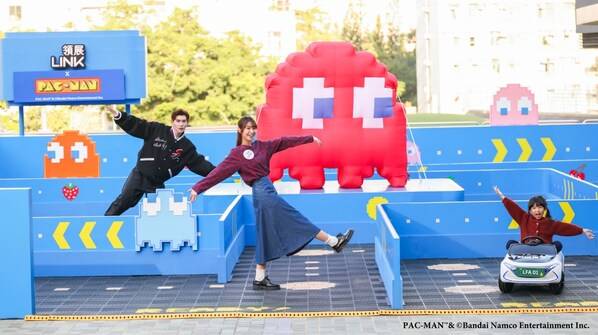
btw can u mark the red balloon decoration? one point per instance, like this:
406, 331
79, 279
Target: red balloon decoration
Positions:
348, 100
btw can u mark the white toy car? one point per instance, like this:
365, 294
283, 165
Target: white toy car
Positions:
532, 263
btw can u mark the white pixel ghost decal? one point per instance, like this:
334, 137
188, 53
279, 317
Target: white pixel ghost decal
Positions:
165, 220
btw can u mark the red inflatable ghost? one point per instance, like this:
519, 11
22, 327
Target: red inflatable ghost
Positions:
348, 100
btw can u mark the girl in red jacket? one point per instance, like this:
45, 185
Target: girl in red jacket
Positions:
538, 222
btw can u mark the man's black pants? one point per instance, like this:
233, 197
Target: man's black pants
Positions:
133, 190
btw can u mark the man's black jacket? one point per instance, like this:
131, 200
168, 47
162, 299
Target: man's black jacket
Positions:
162, 157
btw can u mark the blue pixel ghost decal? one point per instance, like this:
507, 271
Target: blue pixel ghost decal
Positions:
165, 220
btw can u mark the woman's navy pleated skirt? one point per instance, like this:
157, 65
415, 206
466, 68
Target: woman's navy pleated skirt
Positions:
280, 229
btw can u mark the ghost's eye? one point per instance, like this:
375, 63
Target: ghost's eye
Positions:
503, 106
323, 108
524, 105
79, 152
55, 152
373, 102
312, 103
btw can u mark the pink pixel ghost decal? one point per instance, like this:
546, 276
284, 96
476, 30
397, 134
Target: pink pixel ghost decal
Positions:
413, 155
348, 100
514, 105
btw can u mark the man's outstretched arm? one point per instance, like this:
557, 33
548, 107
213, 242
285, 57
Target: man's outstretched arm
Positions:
132, 125
199, 165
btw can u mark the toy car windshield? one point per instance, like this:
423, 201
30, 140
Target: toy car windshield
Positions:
519, 250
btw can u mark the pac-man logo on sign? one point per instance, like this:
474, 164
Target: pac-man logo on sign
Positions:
86, 235
68, 85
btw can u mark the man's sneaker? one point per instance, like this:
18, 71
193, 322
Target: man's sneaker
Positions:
343, 240
265, 284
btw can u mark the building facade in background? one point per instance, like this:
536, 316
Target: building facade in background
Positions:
270, 23
586, 17
468, 49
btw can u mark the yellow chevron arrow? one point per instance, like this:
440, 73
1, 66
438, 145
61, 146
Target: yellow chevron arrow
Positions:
526, 150
58, 235
569, 213
501, 150
550, 148
513, 225
85, 235
112, 234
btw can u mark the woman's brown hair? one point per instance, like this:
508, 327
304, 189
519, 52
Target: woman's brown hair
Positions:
241, 124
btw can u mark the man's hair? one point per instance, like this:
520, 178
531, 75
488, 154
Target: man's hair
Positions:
178, 112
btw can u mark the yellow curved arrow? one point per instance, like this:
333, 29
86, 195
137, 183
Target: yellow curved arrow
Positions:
112, 234
58, 235
85, 235
513, 225
550, 148
501, 150
526, 150
569, 213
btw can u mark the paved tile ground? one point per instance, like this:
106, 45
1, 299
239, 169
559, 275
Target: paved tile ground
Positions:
315, 280
472, 284
326, 326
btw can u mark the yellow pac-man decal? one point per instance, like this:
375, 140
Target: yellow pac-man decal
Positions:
371, 206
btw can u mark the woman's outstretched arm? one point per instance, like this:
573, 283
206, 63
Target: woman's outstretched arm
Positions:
285, 142
225, 169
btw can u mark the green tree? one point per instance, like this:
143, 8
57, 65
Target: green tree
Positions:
10, 121
351, 30
313, 25
390, 46
376, 41
120, 15
216, 80
401, 62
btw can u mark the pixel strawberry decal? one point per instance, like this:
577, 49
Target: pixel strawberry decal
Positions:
70, 191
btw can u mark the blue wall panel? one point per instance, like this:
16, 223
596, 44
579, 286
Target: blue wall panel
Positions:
17, 291
451, 148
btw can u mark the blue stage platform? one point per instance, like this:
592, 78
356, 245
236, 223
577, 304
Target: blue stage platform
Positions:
448, 212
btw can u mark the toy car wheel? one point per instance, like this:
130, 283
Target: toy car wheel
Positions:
505, 287
558, 287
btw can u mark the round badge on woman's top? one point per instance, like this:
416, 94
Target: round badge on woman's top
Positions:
248, 154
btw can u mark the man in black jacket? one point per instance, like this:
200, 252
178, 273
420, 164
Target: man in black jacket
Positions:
165, 152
